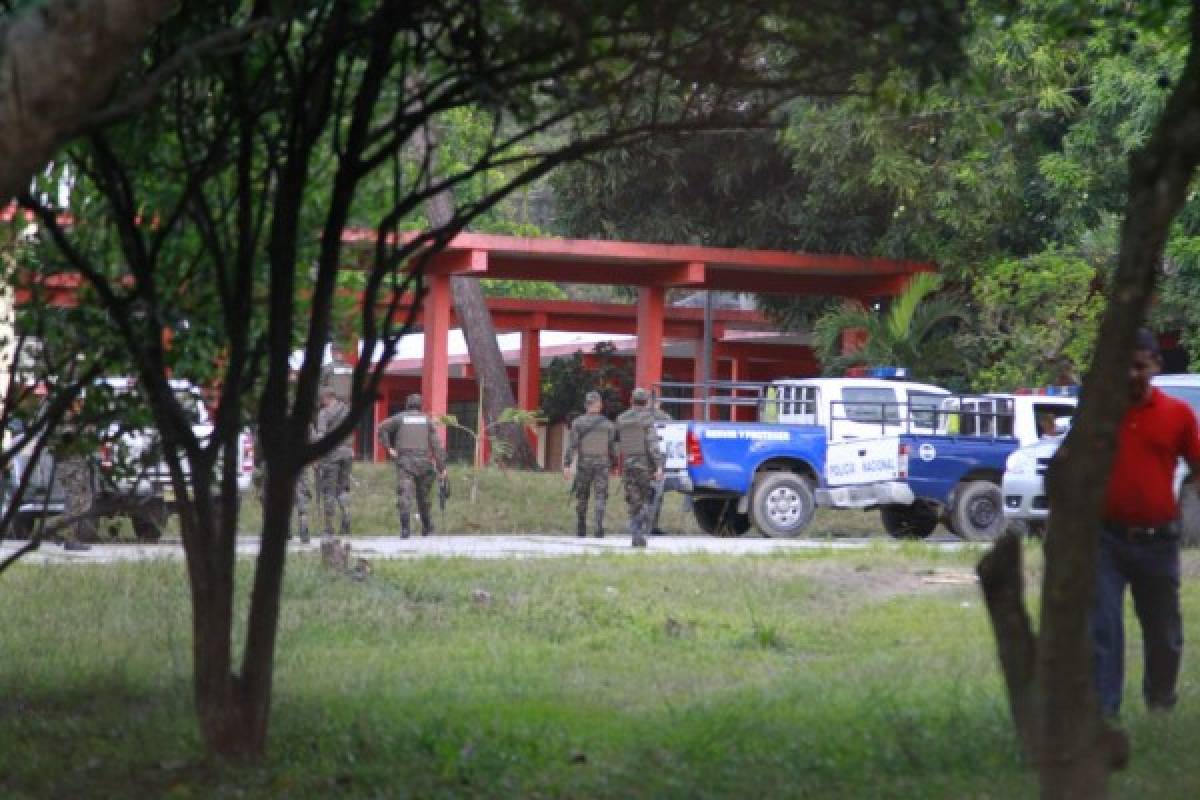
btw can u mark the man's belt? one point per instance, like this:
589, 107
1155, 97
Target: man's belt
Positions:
1138, 534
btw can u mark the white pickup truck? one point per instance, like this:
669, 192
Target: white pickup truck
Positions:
133, 478
811, 432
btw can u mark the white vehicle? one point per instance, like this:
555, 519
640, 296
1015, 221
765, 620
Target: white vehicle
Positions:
133, 474
1023, 485
1025, 417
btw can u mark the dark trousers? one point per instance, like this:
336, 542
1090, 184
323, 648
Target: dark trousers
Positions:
1150, 568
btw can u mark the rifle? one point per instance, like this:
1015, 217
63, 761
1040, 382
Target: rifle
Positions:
443, 496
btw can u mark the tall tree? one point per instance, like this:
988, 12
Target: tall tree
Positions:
220, 213
1048, 673
58, 63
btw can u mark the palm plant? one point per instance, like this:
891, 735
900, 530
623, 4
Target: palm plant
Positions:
915, 332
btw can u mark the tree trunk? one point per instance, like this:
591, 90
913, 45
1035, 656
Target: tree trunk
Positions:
476, 323
57, 63
1054, 704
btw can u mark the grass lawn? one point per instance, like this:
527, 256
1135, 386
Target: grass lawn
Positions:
821, 675
514, 501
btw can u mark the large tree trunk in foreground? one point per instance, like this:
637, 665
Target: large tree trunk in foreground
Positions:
1049, 676
57, 64
476, 322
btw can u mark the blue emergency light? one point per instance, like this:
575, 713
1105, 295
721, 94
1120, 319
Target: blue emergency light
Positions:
887, 372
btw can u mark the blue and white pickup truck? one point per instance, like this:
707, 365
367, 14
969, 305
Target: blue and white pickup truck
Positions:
921, 457
822, 432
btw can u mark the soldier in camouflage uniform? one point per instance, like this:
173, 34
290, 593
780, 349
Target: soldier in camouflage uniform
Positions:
304, 496
333, 471
412, 441
655, 501
74, 472
641, 462
593, 436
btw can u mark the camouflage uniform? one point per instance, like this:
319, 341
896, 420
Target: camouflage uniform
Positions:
304, 495
594, 437
640, 459
412, 435
74, 473
75, 476
333, 471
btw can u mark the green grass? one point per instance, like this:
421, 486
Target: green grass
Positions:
514, 501
818, 675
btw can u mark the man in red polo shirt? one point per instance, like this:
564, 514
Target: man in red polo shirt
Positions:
1139, 539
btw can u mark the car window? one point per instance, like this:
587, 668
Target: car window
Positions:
863, 404
924, 406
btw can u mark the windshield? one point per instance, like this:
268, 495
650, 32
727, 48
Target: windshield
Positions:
924, 408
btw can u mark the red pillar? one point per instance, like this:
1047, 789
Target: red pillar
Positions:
435, 369
529, 375
651, 309
529, 378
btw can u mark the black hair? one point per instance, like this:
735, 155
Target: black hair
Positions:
1146, 341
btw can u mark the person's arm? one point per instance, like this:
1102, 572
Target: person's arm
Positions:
614, 455
569, 453
1190, 448
435, 447
385, 436
653, 453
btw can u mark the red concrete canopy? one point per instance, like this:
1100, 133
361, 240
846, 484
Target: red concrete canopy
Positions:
638, 264
651, 268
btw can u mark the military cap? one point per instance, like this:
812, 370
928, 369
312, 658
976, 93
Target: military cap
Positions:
413, 401
640, 396
592, 397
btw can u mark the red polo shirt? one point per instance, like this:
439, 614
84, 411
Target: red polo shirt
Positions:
1152, 438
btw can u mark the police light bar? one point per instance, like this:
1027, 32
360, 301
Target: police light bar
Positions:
877, 372
1070, 390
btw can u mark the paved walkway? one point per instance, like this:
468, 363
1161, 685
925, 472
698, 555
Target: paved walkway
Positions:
481, 547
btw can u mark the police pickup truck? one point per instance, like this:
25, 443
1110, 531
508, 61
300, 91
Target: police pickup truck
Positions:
918, 454
766, 474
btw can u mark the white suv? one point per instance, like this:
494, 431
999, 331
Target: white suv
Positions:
1024, 473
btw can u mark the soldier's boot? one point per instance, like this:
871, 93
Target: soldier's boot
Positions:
581, 525
636, 527
427, 526
75, 545
304, 537
405, 530
599, 527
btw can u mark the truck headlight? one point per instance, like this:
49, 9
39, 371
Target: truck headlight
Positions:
1021, 462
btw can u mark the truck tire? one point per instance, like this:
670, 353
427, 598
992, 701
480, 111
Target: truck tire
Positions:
717, 516
978, 511
148, 521
1189, 516
908, 522
782, 504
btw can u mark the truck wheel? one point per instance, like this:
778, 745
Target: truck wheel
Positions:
717, 516
21, 526
909, 522
1189, 516
978, 511
148, 521
782, 504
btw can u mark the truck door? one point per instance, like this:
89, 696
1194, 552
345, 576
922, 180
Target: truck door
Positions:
861, 461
